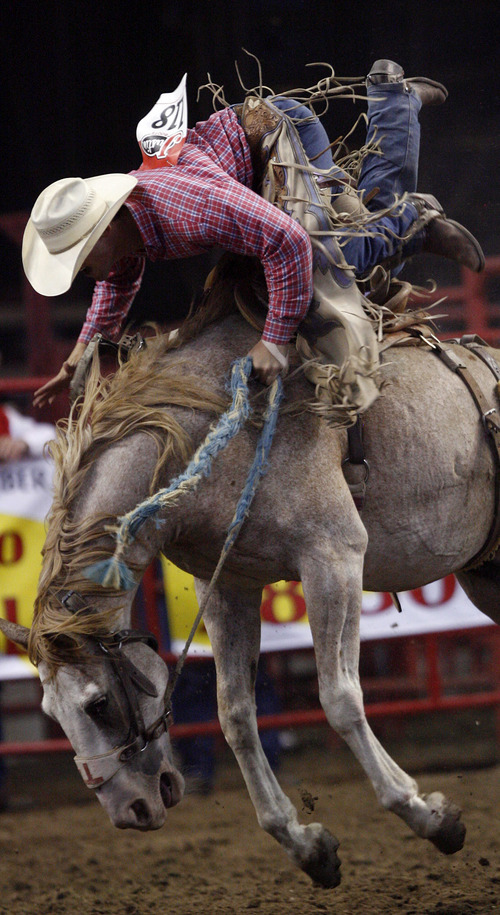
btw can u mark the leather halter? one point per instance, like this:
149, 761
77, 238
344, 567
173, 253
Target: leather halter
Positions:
96, 770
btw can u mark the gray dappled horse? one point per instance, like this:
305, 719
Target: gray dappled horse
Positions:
428, 510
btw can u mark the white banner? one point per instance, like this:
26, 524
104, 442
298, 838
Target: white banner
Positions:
441, 606
438, 607
26, 488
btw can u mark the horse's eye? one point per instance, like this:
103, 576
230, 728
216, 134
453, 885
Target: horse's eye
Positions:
97, 707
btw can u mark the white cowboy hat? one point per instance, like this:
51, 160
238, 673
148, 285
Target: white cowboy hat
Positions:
67, 220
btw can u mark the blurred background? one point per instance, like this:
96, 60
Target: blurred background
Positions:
77, 77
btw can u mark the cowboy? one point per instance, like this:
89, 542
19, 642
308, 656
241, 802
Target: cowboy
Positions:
107, 226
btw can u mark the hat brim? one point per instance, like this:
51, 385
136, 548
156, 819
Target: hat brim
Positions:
53, 274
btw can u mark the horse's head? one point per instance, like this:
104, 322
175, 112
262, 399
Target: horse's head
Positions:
114, 450
111, 704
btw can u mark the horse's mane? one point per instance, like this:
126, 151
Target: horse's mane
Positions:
135, 398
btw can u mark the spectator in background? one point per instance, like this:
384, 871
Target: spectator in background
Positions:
21, 436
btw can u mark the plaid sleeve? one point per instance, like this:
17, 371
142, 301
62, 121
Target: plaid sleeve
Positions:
240, 221
190, 209
112, 300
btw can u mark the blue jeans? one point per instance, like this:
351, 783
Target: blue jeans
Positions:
393, 122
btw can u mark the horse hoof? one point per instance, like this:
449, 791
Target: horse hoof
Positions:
451, 833
323, 865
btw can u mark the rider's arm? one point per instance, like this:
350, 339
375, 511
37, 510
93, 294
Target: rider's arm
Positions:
111, 303
285, 251
239, 220
112, 300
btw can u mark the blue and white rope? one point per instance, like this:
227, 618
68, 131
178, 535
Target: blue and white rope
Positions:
114, 572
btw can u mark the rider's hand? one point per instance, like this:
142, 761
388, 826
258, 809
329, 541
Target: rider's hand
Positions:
265, 366
56, 385
61, 381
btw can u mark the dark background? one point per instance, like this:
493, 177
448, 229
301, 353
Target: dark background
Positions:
77, 77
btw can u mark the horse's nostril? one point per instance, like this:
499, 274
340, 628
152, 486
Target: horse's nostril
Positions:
166, 789
141, 812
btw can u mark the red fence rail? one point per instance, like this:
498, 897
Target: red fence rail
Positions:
439, 692
475, 303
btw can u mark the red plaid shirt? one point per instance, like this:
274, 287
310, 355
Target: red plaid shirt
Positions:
204, 201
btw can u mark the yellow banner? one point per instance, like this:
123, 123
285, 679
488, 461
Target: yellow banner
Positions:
437, 607
21, 542
282, 602
182, 605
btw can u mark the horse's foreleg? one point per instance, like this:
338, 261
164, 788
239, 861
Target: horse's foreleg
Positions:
333, 590
232, 620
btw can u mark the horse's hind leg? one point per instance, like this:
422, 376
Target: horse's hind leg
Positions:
333, 591
232, 620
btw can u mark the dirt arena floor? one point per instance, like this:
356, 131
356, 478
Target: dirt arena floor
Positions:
59, 853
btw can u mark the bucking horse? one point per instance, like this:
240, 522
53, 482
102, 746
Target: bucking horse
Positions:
429, 510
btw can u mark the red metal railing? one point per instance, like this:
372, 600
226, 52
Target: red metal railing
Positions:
475, 304
475, 309
436, 688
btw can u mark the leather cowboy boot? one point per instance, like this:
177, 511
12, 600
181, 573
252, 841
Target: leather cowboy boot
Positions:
428, 90
445, 237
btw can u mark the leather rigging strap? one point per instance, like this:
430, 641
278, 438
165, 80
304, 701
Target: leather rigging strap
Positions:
355, 466
489, 417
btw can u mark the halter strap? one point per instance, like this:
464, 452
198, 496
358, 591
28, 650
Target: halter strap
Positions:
97, 770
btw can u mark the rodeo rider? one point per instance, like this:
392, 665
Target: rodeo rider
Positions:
107, 226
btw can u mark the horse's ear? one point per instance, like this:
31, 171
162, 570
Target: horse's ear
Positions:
15, 633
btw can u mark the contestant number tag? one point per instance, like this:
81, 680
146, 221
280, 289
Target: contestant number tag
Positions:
161, 134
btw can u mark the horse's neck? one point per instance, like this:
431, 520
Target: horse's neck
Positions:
121, 479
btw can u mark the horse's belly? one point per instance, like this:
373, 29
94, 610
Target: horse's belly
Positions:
410, 546
430, 494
